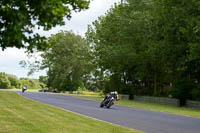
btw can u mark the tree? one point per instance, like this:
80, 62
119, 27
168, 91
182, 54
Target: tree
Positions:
68, 61
19, 18
14, 81
31, 83
44, 80
118, 39
183, 90
145, 45
4, 82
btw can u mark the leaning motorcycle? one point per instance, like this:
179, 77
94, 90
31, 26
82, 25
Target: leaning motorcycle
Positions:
24, 88
108, 101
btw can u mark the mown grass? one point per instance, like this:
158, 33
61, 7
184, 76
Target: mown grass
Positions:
21, 115
28, 90
151, 106
85, 93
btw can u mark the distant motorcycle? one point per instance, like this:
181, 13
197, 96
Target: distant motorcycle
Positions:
24, 88
108, 101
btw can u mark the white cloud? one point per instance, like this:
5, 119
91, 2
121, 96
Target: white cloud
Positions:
9, 63
10, 58
81, 20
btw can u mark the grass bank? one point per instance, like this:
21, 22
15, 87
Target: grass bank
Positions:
28, 90
20, 115
151, 106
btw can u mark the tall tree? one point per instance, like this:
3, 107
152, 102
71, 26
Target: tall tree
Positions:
19, 18
67, 61
117, 38
146, 45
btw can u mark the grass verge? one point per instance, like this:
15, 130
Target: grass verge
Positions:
151, 106
21, 115
28, 90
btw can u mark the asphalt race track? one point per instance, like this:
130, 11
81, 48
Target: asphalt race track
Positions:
144, 120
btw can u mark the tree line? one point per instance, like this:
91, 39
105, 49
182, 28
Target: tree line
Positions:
139, 47
9, 81
149, 47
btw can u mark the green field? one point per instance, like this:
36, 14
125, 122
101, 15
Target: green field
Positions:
151, 106
28, 90
21, 115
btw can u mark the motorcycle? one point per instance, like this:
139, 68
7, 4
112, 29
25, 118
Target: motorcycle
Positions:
108, 101
24, 88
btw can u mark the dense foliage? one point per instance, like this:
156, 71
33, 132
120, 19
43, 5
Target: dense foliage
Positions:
182, 90
146, 45
140, 47
8, 81
68, 61
19, 18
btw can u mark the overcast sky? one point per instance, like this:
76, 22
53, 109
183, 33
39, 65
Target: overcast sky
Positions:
10, 58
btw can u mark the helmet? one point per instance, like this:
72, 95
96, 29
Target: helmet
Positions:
111, 93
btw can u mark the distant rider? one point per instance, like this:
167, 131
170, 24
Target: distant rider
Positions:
24, 88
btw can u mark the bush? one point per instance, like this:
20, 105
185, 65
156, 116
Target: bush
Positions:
13, 81
4, 82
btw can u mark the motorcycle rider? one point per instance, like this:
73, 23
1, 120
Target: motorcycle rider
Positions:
114, 94
24, 88
109, 100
